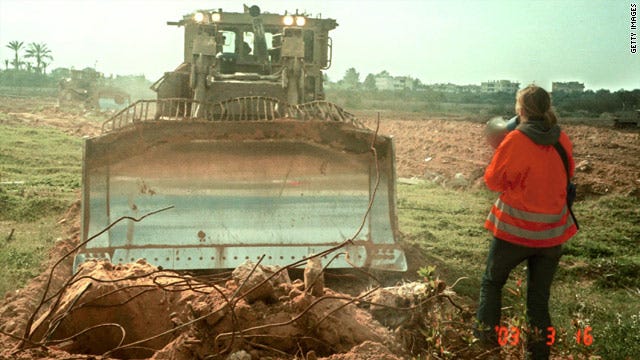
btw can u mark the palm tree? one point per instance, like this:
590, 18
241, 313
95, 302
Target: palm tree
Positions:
40, 52
16, 46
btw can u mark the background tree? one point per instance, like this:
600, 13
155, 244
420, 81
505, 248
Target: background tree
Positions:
325, 79
417, 84
370, 83
628, 99
60, 73
351, 79
16, 46
39, 52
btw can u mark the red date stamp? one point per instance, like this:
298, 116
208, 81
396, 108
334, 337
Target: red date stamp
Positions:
584, 336
511, 335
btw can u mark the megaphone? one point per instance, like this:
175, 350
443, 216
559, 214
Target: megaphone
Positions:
497, 128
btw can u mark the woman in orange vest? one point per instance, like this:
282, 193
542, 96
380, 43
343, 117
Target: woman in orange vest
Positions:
530, 220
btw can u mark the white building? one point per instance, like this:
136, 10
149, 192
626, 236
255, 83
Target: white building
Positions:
497, 86
568, 87
388, 82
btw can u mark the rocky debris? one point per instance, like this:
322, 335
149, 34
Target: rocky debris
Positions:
313, 277
138, 311
260, 283
296, 324
584, 166
368, 350
109, 305
420, 315
459, 181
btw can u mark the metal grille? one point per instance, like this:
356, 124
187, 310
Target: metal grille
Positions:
245, 108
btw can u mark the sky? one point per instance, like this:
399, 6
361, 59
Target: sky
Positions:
436, 41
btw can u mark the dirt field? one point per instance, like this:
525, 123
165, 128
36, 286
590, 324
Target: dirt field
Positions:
607, 159
451, 151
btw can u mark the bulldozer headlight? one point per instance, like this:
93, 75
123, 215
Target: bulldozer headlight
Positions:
301, 20
215, 17
287, 20
199, 17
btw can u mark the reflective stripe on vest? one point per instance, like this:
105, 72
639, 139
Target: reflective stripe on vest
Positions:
542, 219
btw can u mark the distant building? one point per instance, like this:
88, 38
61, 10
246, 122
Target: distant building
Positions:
499, 86
470, 89
384, 82
567, 87
446, 88
455, 89
388, 82
403, 83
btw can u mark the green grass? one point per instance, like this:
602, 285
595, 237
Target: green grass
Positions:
39, 178
21, 257
446, 225
39, 171
597, 284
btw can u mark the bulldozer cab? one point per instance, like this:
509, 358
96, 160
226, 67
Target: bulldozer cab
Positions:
228, 54
251, 161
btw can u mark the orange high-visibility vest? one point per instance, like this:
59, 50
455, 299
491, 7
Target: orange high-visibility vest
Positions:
532, 209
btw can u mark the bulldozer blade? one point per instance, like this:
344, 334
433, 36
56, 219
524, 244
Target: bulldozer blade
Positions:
240, 190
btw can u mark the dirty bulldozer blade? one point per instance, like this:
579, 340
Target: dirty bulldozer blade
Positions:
284, 188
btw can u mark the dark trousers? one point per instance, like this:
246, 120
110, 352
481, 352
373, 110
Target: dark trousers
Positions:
541, 266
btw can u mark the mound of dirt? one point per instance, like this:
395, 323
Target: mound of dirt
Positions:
106, 305
135, 311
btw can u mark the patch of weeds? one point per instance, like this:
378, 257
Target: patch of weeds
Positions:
619, 339
30, 205
589, 250
19, 259
18, 266
596, 323
611, 220
617, 273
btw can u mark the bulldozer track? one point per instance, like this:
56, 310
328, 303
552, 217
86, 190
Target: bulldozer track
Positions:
245, 108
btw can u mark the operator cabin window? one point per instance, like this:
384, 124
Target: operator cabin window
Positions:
247, 44
268, 38
229, 38
274, 44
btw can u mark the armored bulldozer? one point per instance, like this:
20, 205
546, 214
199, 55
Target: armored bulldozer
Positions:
628, 119
252, 160
88, 89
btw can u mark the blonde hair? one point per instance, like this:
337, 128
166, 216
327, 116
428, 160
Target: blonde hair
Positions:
535, 102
